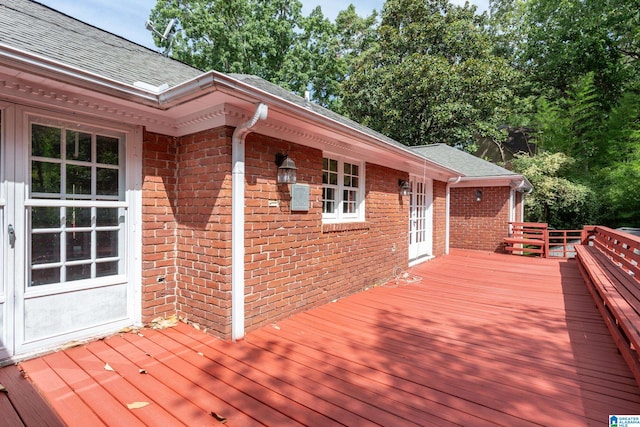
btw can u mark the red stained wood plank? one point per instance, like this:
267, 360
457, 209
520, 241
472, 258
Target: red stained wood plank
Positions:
118, 387
8, 414
482, 339
163, 403
464, 380
369, 385
64, 400
170, 377
29, 404
294, 381
238, 400
92, 392
283, 401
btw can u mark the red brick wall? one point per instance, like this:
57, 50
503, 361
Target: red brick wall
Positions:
479, 225
439, 217
187, 228
158, 226
203, 260
293, 263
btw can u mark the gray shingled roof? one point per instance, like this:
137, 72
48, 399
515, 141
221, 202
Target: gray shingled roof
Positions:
471, 166
37, 29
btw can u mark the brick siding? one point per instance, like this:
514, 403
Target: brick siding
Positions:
159, 226
292, 261
479, 225
439, 217
203, 214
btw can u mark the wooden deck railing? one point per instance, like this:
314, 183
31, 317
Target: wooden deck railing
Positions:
609, 261
621, 248
561, 242
527, 238
536, 239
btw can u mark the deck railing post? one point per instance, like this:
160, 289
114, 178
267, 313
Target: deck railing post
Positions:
545, 238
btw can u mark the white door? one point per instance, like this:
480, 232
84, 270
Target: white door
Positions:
67, 219
6, 291
420, 219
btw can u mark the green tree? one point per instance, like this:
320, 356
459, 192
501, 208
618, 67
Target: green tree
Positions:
237, 36
556, 200
270, 39
323, 53
431, 76
573, 124
557, 42
618, 174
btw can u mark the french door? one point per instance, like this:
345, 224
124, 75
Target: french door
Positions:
420, 219
66, 218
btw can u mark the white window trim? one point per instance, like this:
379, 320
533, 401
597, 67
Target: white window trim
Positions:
338, 217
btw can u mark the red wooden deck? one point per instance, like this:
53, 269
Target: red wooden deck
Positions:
482, 339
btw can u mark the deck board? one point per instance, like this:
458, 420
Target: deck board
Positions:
22, 404
481, 339
9, 414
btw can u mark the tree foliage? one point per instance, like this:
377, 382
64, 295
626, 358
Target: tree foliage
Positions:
573, 125
558, 201
430, 76
270, 39
240, 36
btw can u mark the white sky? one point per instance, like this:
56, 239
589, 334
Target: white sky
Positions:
126, 18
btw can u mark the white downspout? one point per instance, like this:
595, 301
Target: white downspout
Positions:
450, 182
237, 221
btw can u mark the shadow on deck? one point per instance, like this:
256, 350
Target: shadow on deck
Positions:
481, 339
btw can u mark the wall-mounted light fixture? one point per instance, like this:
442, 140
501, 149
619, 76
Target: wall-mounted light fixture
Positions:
405, 187
286, 169
478, 195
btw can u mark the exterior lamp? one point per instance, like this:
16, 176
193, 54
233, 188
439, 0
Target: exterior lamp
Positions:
478, 195
286, 169
405, 187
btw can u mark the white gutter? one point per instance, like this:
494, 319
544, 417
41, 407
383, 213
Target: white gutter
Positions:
447, 226
237, 221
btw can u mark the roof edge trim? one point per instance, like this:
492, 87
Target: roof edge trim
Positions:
37, 64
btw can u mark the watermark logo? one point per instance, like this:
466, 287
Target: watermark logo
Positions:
624, 420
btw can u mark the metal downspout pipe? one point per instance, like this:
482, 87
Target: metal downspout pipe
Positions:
237, 220
450, 182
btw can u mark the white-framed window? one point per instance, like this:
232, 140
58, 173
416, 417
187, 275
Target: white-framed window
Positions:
342, 189
76, 205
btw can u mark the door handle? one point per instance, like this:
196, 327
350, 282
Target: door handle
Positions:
12, 235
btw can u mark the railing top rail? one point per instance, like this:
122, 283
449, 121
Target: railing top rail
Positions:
623, 248
629, 239
530, 224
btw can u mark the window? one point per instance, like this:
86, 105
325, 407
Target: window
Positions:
76, 213
342, 190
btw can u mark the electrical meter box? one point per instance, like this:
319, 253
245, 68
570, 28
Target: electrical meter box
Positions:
299, 197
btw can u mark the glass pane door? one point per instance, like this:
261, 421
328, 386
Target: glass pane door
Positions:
77, 231
420, 221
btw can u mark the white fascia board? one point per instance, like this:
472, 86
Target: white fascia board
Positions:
517, 182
